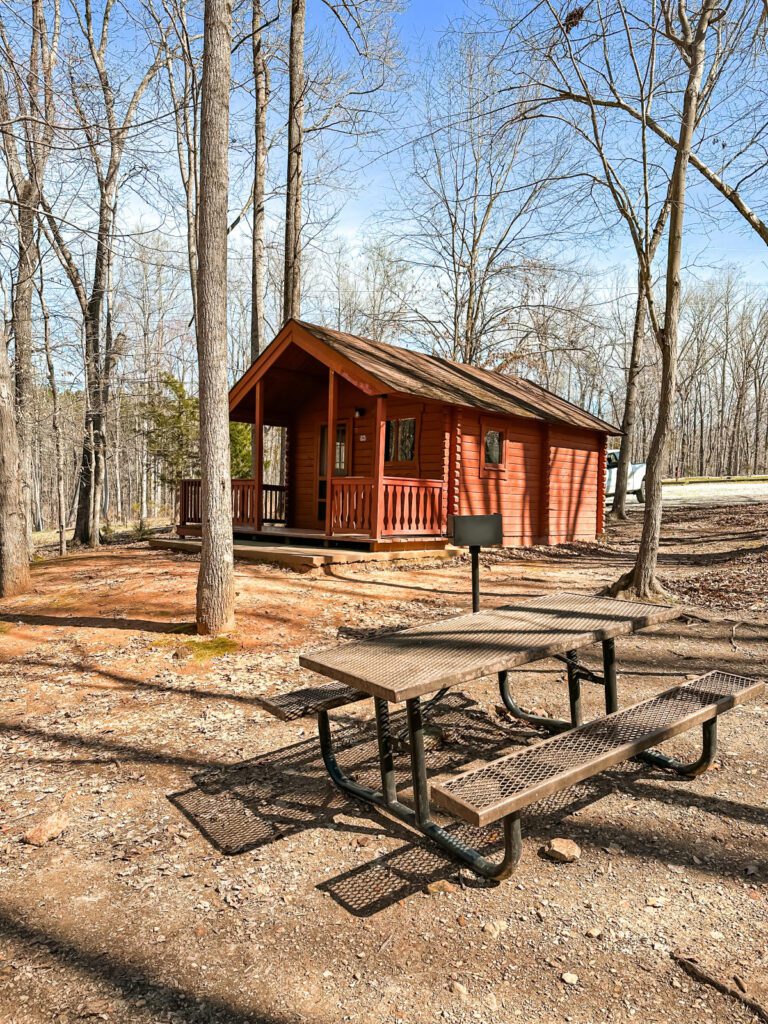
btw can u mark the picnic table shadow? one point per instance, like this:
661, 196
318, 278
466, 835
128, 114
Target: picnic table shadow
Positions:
247, 806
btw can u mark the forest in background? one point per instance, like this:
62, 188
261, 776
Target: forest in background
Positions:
483, 237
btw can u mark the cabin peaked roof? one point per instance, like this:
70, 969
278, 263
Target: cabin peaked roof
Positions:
424, 376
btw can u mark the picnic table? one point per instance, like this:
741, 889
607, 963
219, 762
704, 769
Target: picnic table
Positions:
429, 659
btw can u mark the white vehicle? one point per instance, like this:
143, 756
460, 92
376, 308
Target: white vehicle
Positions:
635, 482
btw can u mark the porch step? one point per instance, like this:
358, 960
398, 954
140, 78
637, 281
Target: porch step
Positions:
311, 699
299, 557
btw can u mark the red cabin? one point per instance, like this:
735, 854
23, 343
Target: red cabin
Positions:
415, 438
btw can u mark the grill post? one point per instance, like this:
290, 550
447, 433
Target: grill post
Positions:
475, 553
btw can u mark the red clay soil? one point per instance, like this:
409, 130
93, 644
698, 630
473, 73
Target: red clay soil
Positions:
195, 865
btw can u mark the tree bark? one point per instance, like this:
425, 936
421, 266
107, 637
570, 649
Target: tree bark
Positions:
21, 320
619, 506
14, 555
61, 501
292, 275
641, 580
258, 248
215, 584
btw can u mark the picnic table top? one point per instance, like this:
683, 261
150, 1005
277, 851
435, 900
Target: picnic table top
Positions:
434, 655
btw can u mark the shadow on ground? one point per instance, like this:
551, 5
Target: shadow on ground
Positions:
287, 791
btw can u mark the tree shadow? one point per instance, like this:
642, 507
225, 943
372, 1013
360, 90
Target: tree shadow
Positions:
287, 791
128, 978
98, 622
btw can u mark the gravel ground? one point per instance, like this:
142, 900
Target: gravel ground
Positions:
195, 866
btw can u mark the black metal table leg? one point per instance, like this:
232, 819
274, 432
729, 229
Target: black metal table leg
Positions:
418, 761
609, 677
550, 724
709, 750
386, 752
420, 819
574, 687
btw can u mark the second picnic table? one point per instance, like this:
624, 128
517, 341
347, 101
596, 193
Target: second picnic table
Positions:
428, 659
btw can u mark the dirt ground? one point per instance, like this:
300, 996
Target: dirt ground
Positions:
204, 869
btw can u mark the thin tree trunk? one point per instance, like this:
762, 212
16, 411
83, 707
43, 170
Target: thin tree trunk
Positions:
61, 501
216, 583
641, 581
619, 507
292, 276
21, 319
14, 553
258, 248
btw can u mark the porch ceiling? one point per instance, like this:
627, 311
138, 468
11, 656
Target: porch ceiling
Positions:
289, 382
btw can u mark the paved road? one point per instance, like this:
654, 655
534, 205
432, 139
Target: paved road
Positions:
715, 494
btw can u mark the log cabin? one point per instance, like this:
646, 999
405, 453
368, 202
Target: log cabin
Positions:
413, 439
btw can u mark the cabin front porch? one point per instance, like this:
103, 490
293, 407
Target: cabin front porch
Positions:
408, 513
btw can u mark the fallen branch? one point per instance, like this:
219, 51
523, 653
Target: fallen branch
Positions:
692, 967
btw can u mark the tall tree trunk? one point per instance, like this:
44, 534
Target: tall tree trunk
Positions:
641, 581
21, 319
258, 248
61, 501
619, 507
14, 553
216, 582
292, 275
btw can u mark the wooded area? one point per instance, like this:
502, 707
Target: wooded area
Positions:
532, 219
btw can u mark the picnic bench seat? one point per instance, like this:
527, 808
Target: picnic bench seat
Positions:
504, 787
310, 700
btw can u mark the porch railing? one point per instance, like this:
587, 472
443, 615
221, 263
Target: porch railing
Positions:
409, 506
244, 503
412, 506
274, 503
352, 504
190, 502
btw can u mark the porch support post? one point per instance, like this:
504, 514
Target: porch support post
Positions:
258, 450
330, 452
379, 438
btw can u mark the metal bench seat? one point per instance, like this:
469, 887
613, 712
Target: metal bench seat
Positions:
310, 700
505, 786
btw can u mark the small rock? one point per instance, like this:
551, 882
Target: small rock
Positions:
495, 928
459, 990
570, 978
441, 885
655, 901
563, 851
594, 933
48, 828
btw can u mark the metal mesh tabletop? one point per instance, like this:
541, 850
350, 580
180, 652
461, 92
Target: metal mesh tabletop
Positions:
425, 658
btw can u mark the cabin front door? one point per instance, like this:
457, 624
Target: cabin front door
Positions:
341, 463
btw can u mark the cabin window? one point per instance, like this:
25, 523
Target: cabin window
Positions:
494, 448
400, 445
340, 451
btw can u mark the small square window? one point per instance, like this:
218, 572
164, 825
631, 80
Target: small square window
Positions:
494, 448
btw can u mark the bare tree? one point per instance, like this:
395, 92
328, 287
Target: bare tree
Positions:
105, 142
27, 134
472, 199
216, 580
260, 69
294, 174
631, 49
